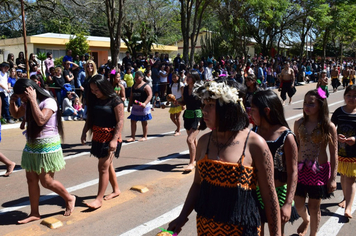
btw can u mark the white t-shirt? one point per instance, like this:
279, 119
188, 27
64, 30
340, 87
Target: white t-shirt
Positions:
163, 79
175, 91
3, 81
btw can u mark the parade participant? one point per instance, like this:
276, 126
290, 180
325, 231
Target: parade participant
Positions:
345, 119
268, 116
323, 83
287, 80
335, 78
345, 76
192, 116
316, 176
42, 155
140, 98
105, 119
231, 160
252, 88
115, 80
352, 76
177, 88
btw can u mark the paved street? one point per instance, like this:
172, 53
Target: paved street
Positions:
157, 164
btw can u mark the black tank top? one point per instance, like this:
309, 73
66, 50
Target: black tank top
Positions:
139, 94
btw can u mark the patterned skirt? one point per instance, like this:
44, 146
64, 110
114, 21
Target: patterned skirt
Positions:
207, 226
101, 140
43, 155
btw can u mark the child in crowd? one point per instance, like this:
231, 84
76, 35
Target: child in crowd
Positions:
156, 101
12, 79
268, 116
177, 90
345, 119
78, 106
115, 80
67, 106
316, 175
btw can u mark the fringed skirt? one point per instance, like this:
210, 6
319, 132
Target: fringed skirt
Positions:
207, 226
43, 155
101, 140
313, 183
139, 113
281, 194
347, 166
175, 109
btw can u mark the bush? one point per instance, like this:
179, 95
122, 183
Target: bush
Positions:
58, 61
78, 44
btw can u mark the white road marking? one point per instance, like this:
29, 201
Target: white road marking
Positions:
332, 226
88, 153
155, 223
94, 182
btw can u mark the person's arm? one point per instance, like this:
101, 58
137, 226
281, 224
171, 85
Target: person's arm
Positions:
83, 139
296, 132
148, 91
119, 114
293, 78
291, 157
122, 92
262, 158
74, 65
15, 111
193, 194
41, 117
130, 102
333, 158
68, 77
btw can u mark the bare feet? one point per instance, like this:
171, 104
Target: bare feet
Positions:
189, 168
112, 195
130, 140
303, 228
10, 169
96, 204
348, 215
342, 204
70, 207
142, 139
29, 219
284, 103
176, 133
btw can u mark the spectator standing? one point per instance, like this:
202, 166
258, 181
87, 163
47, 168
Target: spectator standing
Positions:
21, 62
68, 74
4, 92
10, 60
67, 57
48, 63
176, 62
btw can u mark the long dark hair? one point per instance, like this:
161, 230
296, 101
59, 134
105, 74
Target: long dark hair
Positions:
323, 115
105, 88
268, 98
33, 130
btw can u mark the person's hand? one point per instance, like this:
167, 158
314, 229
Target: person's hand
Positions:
176, 103
81, 88
75, 113
177, 224
331, 185
112, 145
350, 141
286, 211
13, 97
30, 94
83, 139
128, 108
341, 138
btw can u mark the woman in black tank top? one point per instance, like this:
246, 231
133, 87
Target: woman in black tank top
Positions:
140, 97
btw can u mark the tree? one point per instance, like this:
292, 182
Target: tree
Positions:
78, 44
191, 12
115, 15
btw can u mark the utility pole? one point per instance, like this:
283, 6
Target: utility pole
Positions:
25, 37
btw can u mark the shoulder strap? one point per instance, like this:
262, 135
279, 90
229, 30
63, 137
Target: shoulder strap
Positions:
243, 153
207, 148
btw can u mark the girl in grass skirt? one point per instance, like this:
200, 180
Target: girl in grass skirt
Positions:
177, 90
42, 155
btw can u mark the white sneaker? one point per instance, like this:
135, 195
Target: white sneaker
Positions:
75, 118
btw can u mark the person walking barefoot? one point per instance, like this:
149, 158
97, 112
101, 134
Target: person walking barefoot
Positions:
44, 128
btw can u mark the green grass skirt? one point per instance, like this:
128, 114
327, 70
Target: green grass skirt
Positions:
43, 154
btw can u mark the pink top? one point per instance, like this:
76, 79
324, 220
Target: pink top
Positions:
77, 107
50, 129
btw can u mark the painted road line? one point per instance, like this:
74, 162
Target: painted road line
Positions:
155, 223
94, 182
88, 153
300, 115
333, 225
